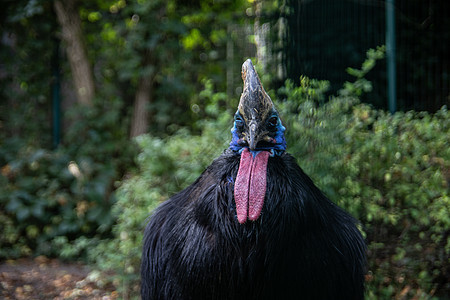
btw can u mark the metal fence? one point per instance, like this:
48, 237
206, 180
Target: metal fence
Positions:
324, 37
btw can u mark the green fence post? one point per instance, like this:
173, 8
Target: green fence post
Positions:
390, 56
56, 97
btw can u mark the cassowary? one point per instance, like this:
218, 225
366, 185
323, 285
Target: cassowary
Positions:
253, 225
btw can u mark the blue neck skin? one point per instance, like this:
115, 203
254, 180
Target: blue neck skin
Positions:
276, 149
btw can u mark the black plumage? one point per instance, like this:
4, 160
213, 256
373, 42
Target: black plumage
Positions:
300, 246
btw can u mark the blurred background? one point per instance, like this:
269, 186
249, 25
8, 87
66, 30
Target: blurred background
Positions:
109, 107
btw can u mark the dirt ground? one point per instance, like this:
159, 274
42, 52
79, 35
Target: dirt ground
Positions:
43, 278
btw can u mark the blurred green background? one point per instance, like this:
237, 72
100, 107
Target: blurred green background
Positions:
108, 108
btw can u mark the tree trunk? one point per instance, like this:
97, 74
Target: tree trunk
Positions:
140, 119
143, 97
70, 23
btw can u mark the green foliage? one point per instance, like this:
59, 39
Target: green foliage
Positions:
362, 85
401, 164
390, 171
48, 197
25, 54
29, 215
177, 45
318, 129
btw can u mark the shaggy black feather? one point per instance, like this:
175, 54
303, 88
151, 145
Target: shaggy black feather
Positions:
302, 247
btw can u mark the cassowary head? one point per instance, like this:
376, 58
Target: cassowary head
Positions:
257, 125
257, 134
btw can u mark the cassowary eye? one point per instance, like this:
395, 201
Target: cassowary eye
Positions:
273, 121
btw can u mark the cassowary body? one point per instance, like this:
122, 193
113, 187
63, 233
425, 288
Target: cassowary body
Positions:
253, 225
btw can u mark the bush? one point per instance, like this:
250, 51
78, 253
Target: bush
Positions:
398, 185
51, 198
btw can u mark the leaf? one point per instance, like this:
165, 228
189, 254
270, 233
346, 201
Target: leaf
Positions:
13, 205
22, 213
38, 209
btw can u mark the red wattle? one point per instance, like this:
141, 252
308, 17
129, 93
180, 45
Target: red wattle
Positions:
250, 185
257, 185
241, 185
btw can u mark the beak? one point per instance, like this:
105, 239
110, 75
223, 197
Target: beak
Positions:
252, 136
